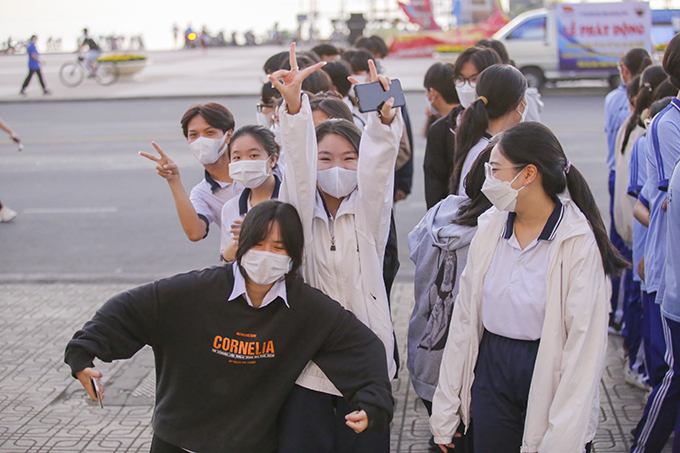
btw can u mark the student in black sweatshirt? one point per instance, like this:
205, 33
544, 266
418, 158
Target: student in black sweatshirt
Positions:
230, 341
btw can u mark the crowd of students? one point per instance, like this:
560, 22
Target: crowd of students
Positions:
643, 131
289, 346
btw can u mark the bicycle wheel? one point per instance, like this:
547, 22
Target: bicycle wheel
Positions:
106, 73
71, 74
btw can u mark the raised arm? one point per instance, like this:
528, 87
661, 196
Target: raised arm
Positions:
299, 144
377, 156
194, 227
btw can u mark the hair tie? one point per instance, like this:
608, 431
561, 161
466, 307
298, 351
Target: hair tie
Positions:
483, 99
567, 167
648, 85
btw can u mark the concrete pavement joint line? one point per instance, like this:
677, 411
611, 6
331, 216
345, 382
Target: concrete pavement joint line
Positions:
69, 210
614, 414
403, 411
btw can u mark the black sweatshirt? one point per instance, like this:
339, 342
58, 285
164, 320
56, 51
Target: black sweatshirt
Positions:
439, 154
224, 369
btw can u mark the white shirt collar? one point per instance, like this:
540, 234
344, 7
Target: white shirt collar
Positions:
278, 289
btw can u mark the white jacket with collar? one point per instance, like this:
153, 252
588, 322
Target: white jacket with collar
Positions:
563, 406
352, 273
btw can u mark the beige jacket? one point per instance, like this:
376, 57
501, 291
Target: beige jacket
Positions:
563, 406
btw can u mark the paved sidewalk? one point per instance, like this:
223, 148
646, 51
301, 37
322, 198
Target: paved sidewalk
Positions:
43, 409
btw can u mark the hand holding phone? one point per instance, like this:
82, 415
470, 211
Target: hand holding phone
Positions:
98, 390
372, 96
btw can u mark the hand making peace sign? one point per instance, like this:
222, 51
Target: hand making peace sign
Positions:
289, 82
165, 166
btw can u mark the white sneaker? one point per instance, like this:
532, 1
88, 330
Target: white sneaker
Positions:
7, 214
635, 379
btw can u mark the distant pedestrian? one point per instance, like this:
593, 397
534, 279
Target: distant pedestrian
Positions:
7, 214
93, 50
175, 33
34, 64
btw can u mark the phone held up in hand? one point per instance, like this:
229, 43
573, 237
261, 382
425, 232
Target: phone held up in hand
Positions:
372, 96
97, 387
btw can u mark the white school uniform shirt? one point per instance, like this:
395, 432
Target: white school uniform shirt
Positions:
209, 196
352, 273
472, 155
563, 407
237, 208
278, 289
514, 298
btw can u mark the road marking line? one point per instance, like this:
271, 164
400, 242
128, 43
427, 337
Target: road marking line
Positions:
69, 210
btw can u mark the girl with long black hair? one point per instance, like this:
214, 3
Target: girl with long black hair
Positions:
527, 343
500, 104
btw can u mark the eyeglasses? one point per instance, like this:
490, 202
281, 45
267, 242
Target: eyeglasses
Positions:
261, 106
490, 170
459, 81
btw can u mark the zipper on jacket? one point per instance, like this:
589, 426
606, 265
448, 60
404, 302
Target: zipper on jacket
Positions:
332, 244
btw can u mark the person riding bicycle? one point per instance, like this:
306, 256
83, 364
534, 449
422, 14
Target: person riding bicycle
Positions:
93, 52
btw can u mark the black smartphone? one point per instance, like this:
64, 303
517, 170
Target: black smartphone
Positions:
97, 390
372, 96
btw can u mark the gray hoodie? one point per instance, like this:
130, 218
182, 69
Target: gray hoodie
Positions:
439, 250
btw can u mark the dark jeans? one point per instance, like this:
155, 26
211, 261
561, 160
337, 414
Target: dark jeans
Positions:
312, 421
30, 76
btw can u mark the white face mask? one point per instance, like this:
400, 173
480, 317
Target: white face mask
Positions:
524, 113
250, 173
208, 150
500, 193
467, 94
433, 110
264, 119
264, 268
337, 182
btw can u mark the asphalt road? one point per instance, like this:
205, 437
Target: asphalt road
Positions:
91, 209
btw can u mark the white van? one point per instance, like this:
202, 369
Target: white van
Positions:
531, 41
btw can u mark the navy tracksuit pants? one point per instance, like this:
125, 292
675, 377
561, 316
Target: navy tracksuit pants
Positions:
653, 337
662, 412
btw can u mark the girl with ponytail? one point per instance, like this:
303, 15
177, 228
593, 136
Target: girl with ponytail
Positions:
649, 80
530, 340
499, 106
